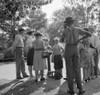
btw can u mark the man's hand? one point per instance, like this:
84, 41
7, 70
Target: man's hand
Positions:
12, 49
79, 40
9, 49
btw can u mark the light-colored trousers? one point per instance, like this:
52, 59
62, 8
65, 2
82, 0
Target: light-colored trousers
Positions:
20, 64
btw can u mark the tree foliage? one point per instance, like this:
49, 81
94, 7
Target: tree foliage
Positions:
21, 13
36, 20
86, 13
12, 11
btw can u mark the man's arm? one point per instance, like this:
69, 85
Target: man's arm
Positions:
63, 36
84, 33
15, 43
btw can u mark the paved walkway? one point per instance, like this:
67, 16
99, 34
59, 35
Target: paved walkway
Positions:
29, 87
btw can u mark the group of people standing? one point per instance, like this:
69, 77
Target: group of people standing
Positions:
73, 52
89, 57
33, 49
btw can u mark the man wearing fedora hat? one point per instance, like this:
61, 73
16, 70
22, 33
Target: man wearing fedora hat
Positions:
18, 49
70, 36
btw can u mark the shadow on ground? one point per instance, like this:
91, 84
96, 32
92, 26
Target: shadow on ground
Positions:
6, 83
49, 87
92, 88
30, 87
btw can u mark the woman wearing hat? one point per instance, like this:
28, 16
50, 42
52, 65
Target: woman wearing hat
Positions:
39, 62
30, 51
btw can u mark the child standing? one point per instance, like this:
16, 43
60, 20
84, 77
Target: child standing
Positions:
91, 52
87, 60
57, 58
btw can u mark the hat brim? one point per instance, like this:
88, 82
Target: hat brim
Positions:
66, 21
30, 32
37, 34
21, 30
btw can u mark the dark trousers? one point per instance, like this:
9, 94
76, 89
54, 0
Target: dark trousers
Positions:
73, 66
49, 66
20, 64
96, 61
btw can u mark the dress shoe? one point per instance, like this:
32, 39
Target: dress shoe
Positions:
70, 92
81, 92
96, 76
19, 78
25, 76
65, 78
36, 80
42, 79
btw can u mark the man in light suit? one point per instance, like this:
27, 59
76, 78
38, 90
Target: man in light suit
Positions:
18, 49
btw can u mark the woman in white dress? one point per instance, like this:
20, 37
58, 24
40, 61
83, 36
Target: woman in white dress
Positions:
39, 62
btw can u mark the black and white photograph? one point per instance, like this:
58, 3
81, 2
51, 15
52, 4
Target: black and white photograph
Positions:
49, 47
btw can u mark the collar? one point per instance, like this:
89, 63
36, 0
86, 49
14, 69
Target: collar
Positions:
71, 28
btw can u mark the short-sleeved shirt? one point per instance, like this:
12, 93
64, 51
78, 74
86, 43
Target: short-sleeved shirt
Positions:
57, 49
29, 43
18, 42
95, 41
67, 34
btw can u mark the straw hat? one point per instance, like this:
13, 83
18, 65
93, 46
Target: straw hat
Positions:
30, 32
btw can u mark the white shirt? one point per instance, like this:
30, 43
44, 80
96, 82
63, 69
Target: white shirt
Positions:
29, 43
18, 41
57, 49
95, 41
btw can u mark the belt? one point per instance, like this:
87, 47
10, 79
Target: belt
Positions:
71, 44
39, 49
19, 47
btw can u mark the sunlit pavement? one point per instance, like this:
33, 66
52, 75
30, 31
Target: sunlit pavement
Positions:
7, 70
49, 87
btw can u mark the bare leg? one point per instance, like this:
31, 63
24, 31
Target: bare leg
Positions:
61, 72
30, 71
36, 74
42, 73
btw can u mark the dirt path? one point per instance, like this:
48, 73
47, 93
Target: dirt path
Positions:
48, 87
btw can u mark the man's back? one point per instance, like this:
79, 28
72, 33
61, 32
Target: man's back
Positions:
66, 36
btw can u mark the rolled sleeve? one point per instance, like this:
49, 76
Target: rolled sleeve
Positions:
63, 36
43, 45
83, 32
15, 42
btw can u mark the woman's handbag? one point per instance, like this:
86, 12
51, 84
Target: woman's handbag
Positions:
46, 54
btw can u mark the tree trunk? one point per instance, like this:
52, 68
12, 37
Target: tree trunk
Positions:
13, 25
